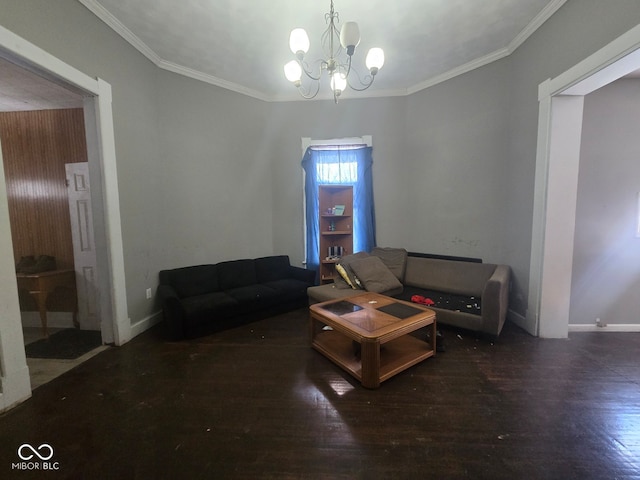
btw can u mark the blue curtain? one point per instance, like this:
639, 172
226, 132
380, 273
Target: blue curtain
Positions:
344, 166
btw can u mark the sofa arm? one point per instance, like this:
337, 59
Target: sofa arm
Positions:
303, 274
172, 311
495, 300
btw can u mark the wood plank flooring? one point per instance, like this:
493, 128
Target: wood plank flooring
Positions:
257, 402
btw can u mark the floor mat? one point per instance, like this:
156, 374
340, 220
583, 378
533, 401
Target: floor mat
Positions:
67, 344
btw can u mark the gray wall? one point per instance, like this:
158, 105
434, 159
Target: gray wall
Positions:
606, 257
215, 190
454, 168
384, 119
577, 30
206, 174
69, 31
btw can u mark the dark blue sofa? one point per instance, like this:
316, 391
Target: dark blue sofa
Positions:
205, 298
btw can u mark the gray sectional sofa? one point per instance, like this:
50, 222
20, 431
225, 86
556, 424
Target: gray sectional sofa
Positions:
465, 293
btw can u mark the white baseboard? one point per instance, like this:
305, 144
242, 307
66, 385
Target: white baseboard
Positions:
612, 327
146, 323
65, 320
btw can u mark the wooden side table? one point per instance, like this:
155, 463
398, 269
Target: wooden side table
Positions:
40, 285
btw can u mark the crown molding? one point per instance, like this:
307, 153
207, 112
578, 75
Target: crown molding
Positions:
467, 67
535, 24
349, 94
211, 79
526, 32
104, 15
117, 26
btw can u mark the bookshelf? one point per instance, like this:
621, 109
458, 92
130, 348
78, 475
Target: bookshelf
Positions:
336, 227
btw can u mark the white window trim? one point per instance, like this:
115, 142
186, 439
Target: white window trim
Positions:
364, 140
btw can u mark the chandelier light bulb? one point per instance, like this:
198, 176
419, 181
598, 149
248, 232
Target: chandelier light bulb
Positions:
349, 37
375, 60
338, 82
293, 72
299, 41
339, 43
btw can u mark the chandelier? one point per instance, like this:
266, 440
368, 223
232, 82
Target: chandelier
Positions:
336, 65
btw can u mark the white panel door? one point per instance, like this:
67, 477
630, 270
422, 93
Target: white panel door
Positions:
84, 249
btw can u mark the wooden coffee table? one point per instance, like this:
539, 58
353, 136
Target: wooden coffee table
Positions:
368, 335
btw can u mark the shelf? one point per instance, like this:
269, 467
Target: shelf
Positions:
336, 231
332, 261
395, 356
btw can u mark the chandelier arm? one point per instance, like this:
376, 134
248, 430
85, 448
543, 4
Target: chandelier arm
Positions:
339, 72
366, 84
308, 95
309, 73
348, 72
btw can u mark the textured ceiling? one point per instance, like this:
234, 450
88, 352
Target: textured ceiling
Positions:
20, 89
242, 45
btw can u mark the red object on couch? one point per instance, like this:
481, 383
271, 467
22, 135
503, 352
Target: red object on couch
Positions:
422, 300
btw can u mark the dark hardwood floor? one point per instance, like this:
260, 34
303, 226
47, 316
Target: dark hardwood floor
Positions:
257, 402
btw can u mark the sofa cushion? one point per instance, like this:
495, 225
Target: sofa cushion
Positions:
289, 288
394, 258
341, 283
328, 291
272, 268
344, 268
374, 275
236, 273
460, 278
444, 300
209, 303
191, 281
252, 293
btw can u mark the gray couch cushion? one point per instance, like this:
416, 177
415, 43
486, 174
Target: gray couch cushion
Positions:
394, 258
345, 263
463, 278
374, 275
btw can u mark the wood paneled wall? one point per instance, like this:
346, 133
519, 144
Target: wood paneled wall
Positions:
36, 145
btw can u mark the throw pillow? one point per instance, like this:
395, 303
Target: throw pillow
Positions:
375, 276
344, 268
394, 258
340, 282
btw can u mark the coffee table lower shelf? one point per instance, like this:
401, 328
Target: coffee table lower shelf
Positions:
395, 356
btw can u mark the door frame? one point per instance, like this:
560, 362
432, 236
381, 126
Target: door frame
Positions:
557, 160
15, 385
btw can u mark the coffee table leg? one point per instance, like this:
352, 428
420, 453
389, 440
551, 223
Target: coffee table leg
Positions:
370, 358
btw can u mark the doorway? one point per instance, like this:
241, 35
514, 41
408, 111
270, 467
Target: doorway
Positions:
36, 145
560, 113
96, 94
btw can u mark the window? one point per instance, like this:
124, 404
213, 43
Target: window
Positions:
346, 164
